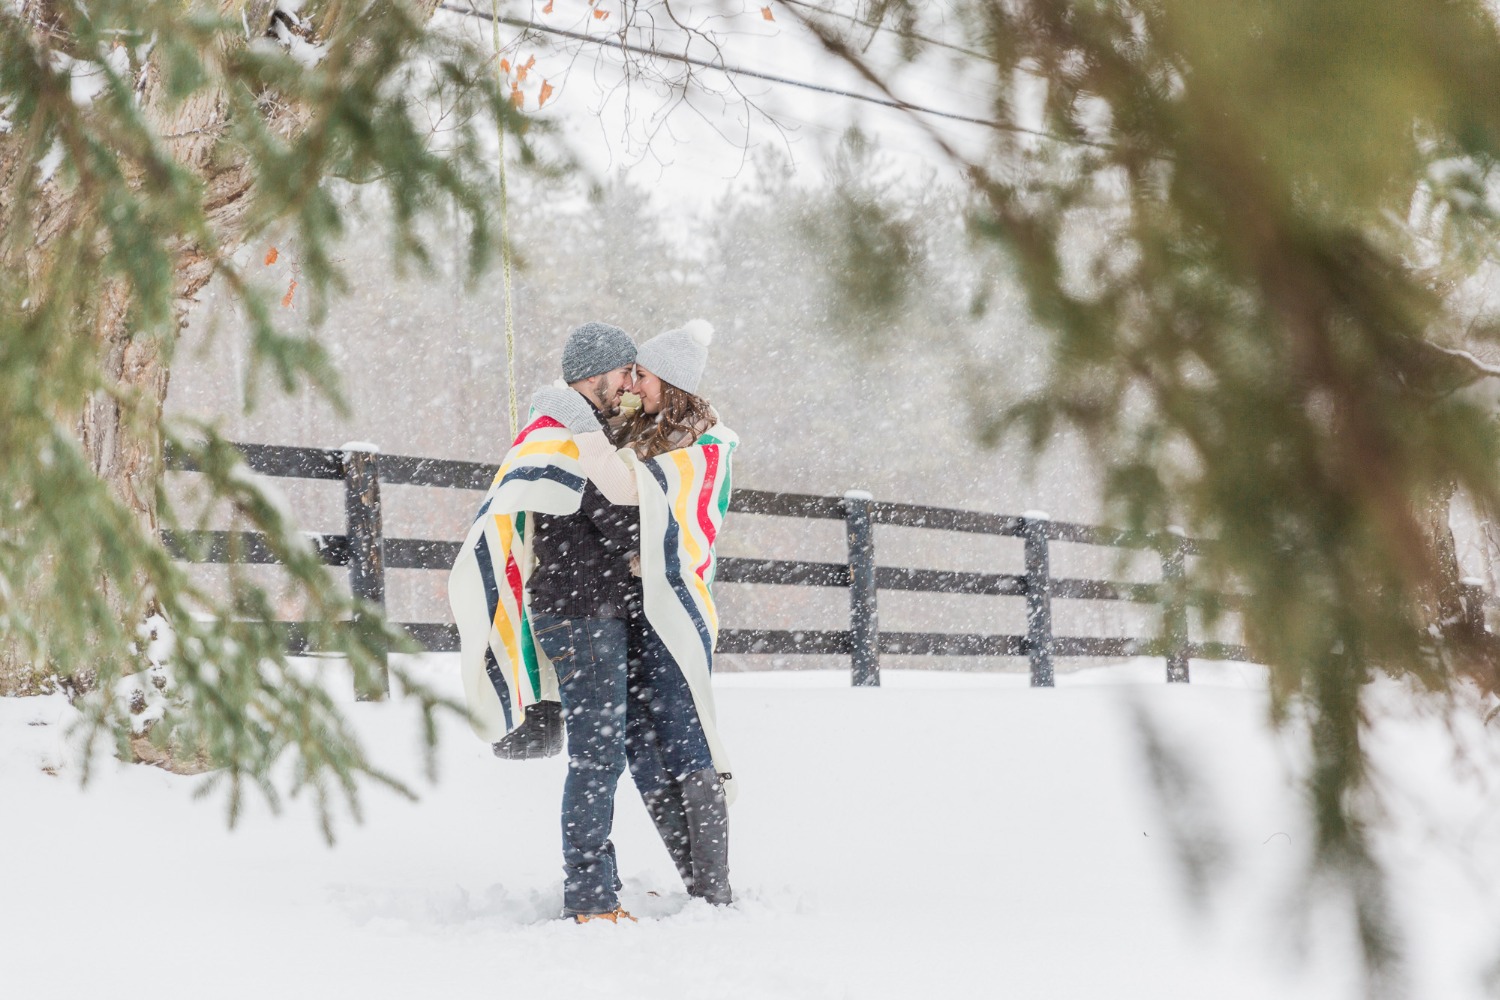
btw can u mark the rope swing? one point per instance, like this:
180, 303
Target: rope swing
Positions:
505, 256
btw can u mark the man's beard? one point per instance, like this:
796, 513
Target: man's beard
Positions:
601, 400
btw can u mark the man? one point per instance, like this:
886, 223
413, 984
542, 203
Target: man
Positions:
577, 596
540, 591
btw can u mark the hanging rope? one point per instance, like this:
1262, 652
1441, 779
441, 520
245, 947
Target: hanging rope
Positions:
510, 324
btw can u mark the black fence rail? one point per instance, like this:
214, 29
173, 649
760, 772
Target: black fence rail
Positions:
367, 554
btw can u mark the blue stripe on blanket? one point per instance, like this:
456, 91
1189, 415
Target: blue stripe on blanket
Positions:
674, 572
531, 473
492, 601
497, 678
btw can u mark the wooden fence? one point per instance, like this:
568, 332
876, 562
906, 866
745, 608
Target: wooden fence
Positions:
367, 554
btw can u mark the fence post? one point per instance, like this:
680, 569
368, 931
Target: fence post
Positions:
864, 626
1038, 597
1174, 608
366, 553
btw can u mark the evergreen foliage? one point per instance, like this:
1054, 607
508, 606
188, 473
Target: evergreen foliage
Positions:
1254, 231
143, 146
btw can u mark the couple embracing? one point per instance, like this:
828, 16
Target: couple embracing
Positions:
583, 600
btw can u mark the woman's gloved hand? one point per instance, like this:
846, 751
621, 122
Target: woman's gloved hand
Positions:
567, 407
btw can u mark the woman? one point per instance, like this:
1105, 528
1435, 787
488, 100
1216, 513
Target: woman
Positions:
667, 747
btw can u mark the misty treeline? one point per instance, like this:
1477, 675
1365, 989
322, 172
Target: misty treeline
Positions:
831, 392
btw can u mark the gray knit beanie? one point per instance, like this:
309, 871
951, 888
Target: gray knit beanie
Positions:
595, 348
678, 357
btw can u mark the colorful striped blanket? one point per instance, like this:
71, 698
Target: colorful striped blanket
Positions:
684, 495
504, 669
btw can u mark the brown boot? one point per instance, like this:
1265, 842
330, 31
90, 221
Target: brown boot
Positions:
613, 916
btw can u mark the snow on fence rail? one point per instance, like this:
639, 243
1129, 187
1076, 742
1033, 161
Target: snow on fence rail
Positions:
367, 553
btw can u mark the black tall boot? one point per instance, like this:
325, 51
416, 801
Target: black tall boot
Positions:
670, 816
708, 836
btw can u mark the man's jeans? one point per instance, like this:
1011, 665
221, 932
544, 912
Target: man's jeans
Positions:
589, 655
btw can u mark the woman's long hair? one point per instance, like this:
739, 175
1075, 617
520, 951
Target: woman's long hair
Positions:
682, 418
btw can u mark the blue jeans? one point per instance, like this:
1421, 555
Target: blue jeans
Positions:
664, 739
589, 655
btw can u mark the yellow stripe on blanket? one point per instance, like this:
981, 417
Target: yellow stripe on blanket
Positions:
690, 530
506, 528
565, 447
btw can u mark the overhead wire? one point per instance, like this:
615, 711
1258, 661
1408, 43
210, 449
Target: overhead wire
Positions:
878, 26
734, 70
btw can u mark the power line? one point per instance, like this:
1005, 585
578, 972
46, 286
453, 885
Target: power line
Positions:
878, 26
723, 67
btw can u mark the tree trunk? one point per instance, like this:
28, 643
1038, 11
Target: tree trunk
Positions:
1471, 649
1445, 603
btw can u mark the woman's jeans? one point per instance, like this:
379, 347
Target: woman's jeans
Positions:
664, 738
589, 655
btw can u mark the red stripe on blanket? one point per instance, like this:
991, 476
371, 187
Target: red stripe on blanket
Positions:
539, 424
513, 577
710, 475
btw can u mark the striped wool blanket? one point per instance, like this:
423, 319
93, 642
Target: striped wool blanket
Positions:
504, 669
684, 495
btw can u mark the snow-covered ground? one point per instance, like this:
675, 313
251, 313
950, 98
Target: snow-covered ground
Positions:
947, 835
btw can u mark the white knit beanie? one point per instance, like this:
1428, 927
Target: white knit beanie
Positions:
678, 357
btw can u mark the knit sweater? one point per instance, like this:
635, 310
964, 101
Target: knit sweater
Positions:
583, 559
